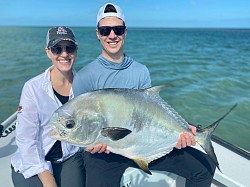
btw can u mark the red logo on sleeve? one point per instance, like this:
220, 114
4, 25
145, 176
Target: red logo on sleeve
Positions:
19, 109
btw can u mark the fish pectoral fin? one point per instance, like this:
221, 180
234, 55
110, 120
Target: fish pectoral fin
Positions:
143, 165
115, 133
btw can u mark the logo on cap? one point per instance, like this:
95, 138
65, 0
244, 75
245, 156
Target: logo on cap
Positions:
61, 30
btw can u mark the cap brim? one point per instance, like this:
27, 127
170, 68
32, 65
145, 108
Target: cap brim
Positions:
63, 39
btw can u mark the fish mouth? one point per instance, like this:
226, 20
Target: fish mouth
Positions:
54, 134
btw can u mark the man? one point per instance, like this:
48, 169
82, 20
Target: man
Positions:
114, 69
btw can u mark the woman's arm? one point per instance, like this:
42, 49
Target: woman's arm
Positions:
47, 179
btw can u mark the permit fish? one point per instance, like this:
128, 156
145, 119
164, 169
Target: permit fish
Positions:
137, 124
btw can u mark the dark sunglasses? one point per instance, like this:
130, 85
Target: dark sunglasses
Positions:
57, 49
105, 30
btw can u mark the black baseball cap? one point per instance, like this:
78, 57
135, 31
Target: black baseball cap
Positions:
59, 33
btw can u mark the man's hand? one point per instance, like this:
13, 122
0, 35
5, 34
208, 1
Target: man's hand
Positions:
100, 148
186, 139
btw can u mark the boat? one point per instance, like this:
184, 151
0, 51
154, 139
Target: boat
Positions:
234, 164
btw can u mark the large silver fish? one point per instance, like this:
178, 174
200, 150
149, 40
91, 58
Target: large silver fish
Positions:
137, 124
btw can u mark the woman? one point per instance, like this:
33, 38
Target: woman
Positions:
40, 160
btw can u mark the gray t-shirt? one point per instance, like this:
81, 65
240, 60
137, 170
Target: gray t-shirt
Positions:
102, 73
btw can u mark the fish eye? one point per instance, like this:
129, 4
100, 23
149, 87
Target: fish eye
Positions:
70, 124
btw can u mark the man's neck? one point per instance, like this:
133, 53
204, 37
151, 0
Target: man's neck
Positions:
114, 58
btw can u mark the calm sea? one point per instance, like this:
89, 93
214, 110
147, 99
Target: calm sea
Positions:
206, 71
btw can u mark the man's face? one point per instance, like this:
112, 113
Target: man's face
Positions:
112, 43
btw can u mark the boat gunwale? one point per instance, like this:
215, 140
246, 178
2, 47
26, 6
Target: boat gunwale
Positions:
242, 152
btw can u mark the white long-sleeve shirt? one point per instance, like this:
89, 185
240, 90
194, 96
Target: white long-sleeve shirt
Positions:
37, 105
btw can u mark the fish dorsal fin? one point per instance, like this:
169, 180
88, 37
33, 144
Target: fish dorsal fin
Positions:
153, 93
143, 165
155, 89
115, 133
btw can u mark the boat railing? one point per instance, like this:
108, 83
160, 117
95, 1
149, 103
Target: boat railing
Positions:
8, 126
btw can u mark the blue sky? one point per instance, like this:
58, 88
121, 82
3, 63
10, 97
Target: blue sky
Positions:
139, 13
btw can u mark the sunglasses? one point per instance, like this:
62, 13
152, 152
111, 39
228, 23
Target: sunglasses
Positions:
57, 50
105, 30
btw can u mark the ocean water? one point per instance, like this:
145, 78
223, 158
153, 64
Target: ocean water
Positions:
206, 71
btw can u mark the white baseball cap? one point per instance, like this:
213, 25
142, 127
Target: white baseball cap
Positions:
102, 14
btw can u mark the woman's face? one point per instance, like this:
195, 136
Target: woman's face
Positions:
63, 55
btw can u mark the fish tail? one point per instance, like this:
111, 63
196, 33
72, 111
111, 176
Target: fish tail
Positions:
204, 140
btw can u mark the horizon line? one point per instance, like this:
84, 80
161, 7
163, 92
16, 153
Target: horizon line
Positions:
140, 27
